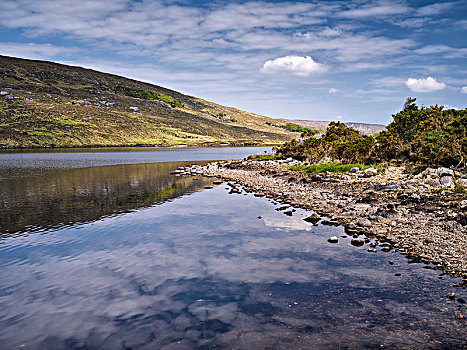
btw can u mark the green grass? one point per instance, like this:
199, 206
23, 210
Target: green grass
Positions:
335, 168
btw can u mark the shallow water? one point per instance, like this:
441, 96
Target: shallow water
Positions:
187, 267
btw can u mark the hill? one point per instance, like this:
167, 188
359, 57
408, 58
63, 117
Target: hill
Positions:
363, 128
45, 104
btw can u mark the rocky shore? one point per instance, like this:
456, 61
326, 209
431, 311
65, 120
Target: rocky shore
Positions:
423, 217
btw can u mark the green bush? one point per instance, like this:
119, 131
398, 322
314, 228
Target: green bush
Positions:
418, 136
340, 143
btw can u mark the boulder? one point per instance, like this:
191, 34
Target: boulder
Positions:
370, 172
354, 169
444, 172
364, 223
333, 239
434, 182
446, 181
388, 213
313, 218
345, 177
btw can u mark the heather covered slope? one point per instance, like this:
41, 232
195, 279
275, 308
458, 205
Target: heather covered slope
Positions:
45, 104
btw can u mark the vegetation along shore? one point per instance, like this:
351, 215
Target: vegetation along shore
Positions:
406, 187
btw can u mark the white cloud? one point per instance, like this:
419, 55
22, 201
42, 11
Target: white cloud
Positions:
333, 90
329, 32
434, 9
424, 84
297, 65
380, 10
34, 51
444, 50
464, 89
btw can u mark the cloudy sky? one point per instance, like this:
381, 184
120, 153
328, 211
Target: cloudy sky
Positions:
324, 60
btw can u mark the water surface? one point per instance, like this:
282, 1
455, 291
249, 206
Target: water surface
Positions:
27, 162
132, 257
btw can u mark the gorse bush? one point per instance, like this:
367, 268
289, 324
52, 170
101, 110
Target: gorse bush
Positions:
340, 143
421, 136
425, 136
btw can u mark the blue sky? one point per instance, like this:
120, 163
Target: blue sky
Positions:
322, 60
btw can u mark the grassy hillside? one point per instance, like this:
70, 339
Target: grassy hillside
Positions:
45, 104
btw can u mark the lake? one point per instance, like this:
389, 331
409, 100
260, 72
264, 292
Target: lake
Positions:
106, 249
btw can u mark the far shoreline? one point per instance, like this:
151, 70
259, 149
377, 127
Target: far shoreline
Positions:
217, 145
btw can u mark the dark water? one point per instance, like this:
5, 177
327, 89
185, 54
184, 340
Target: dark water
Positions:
131, 257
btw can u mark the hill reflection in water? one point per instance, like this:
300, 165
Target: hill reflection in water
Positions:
67, 197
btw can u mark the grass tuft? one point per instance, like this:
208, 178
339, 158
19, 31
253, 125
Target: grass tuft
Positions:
333, 167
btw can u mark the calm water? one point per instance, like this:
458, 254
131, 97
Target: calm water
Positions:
131, 257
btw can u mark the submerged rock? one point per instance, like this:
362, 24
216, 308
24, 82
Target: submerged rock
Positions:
358, 242
313, 218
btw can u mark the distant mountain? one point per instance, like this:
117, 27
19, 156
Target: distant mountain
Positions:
45, 104
366, 129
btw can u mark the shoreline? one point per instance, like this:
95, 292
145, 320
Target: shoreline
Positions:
140, 146
403, 212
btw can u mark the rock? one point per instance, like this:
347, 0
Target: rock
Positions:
364, 223
446, 181
390, 186
444, 172
463, 204
358, 242
389, 213
461, 300
288, 212
134, 109
329, 223
434, 182
370, 172
82, 102
313, 218
451, 296
354, 169
345, 177
333, 239
3, 93
317, 177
